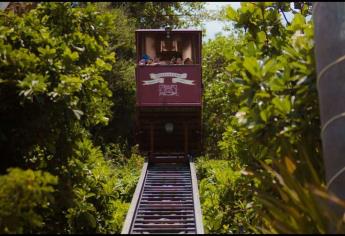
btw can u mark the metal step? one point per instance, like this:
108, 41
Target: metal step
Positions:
164, 201
167, 190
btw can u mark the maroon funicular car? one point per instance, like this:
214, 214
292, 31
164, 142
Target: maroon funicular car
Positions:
169, 90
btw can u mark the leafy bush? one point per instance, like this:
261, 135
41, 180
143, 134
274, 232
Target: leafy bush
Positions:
58, 70
273, 79
67, 101
301, 207
102, 189
263, 98
119, 211
52, 66
26, 197
227, 197
217, 95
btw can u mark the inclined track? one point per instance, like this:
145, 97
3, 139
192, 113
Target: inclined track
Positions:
166, 201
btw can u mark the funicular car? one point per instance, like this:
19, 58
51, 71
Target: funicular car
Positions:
169, 93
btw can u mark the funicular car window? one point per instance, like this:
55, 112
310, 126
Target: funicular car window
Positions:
176, 50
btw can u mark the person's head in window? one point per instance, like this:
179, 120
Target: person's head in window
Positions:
179, 61
146, 57
173, 60
142, 62
156, 60
164, 62
150, 62
188, 61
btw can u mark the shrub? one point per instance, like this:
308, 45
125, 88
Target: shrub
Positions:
227, 197
26, 196
102, 189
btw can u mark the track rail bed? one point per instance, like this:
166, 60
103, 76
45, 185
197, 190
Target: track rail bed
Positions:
166, 200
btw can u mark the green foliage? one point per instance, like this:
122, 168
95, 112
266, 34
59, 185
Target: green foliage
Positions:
216, 91
227, 197
53, 76
156, 15
122, 85
61, 64
120, 79
302, 207
262, 110
119, 211
275, 83
25, 195
101, 189
59, 67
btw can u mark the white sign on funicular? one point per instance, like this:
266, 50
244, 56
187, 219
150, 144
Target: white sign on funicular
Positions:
176, 78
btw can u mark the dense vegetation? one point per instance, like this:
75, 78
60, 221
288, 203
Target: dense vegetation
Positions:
56, 70
262, 121
67, 103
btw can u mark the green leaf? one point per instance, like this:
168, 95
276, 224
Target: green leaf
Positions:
282, 104
261, 37
47, 51
265, 113
87, 219
270, 67
276, 84
297, 23
33, 84
231, 14
298, 20
262, 94
78, 113
251, 49
251, 64
69, 55
103, 65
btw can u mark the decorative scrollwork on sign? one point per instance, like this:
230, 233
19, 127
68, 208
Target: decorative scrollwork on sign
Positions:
182, 81
154, 81
176, 78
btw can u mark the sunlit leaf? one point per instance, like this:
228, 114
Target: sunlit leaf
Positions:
282, 104
291, 167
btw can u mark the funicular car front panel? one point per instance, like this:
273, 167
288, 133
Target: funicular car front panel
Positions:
167, 85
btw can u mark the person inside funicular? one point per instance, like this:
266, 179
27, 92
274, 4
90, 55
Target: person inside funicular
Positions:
188, 61
169, 52
179, 61
144, 60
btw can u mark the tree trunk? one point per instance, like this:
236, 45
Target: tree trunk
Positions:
329, 23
